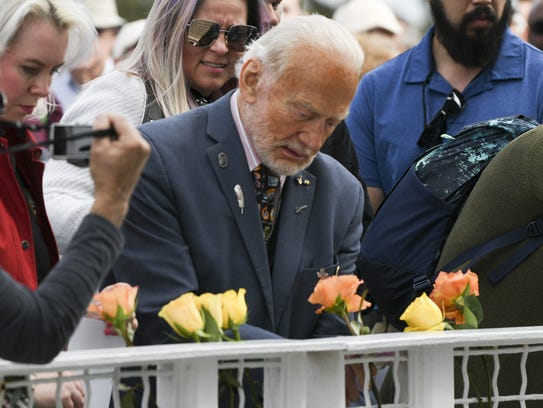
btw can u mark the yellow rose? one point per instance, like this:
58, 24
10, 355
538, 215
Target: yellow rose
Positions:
423, 315
184, 315
212, 303
234, 308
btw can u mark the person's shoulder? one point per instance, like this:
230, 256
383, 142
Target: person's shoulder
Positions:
390, 71
331, 172
176, 132
114, 80
115, 92
192, 121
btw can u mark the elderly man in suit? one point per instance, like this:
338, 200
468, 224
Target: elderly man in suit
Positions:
195, 223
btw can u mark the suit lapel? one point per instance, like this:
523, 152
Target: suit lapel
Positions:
296, 205
227, 158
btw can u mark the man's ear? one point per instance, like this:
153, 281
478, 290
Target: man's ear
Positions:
250, 75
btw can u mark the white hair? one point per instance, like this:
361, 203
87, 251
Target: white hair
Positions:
276, 48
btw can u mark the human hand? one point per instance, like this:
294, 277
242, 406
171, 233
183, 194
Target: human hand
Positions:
72, 393
115, 166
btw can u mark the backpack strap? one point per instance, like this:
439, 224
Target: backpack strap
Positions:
531, 232
422, 284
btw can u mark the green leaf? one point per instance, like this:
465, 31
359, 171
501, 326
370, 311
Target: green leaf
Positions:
472, 302
460, 303
466, 291
211, 328
470, 320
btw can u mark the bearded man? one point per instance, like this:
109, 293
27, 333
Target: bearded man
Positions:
468, 58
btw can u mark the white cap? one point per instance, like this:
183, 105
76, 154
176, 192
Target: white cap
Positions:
128, 36
104, 13
416, 13
359, 16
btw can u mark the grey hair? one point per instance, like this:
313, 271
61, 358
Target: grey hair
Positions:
275, 49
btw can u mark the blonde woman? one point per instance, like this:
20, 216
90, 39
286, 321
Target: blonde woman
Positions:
184, 58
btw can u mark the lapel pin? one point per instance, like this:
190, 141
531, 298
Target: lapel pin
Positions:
240, 198
303, 181
300, 208
223, 160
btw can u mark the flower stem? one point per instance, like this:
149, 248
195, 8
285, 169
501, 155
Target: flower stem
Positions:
345, 318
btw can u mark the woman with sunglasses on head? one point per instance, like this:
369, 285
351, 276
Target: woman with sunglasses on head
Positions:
185, 57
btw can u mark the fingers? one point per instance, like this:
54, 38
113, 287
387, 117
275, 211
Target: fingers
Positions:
72, 395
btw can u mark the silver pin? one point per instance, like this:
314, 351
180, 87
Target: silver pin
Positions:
300, 180
239, 196
300, 208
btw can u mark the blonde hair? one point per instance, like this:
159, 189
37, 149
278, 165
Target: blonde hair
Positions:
63, 14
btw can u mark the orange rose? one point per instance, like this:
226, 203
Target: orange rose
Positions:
105, 304
332, 290
448, 286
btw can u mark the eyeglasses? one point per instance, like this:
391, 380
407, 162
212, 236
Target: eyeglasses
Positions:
203, 33
431, 134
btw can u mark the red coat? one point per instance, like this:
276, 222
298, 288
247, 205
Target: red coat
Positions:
16, 242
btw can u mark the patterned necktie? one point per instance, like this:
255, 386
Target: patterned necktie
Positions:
267, 184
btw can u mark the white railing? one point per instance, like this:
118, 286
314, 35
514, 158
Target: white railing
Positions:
300, 373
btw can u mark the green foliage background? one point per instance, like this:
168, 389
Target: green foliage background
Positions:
133, 9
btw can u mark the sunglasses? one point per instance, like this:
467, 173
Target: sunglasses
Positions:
431, 134
203, 33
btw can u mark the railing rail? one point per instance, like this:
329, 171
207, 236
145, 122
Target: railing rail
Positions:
300, 373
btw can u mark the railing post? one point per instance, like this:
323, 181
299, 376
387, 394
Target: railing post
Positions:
194, 383
285, 386
431, 376
325, 379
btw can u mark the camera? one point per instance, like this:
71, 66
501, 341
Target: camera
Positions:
71, 142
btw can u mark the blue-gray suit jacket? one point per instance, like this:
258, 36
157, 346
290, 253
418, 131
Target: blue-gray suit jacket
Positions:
186, 232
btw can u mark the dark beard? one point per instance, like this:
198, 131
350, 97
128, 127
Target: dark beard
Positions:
471, 50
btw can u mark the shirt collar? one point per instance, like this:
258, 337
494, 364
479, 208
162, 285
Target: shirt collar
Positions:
509, 64
252, 157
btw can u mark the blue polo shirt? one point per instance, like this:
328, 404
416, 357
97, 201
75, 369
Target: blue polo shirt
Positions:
387, 114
